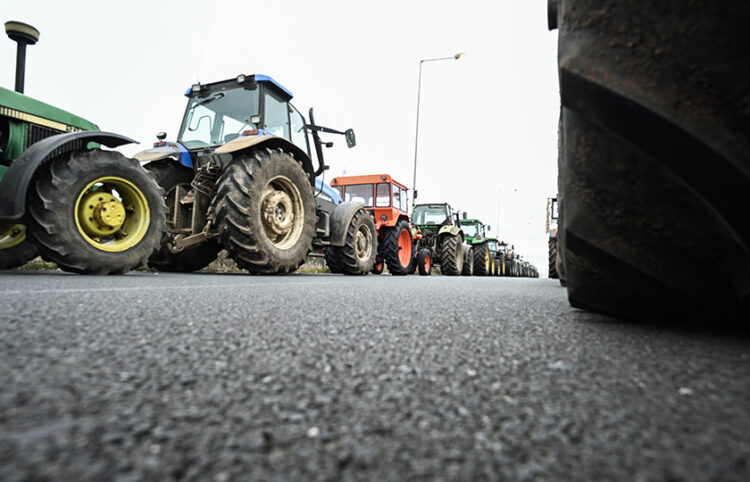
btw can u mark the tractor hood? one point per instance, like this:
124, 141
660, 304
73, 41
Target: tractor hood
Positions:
24, 108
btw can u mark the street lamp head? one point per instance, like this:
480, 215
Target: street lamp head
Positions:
458, 55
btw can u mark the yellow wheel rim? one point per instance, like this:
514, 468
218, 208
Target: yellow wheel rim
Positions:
11, 235
486, 260
112, 214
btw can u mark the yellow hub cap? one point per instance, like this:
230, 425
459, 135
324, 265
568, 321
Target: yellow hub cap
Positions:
11, 235
112, 214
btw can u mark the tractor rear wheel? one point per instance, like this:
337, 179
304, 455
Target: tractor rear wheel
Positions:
96, 212
396, 248
451, 255
481, 259
498, 267
655, 158
468, 268
357, 256
169, 175
553, 258
15, 249
265, 212
424, 262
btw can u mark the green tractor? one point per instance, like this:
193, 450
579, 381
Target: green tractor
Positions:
240, 176
475, 236
495, 257
61, 196
437, 230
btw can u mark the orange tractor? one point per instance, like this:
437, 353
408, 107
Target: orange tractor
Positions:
386, 200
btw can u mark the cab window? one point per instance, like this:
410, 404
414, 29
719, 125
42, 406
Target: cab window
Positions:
382, 195
299, 135
277, 116
359, 192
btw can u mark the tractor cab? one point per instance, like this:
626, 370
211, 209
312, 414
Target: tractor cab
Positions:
248, 105
492, 243
431, 217
239, 113
386, 198
474, 230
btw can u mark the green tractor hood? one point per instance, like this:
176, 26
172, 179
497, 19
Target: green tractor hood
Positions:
24, 108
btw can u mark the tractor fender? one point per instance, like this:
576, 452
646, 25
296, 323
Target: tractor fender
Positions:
340, 220
15, 183
171, 150
454, 230
239, 144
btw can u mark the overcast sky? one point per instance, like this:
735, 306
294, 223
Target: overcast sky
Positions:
488, 122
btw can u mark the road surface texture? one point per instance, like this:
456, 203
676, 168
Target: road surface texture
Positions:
313, 377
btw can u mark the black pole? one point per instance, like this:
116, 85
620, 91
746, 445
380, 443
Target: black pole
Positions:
20, 66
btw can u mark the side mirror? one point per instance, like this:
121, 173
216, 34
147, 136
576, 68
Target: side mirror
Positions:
466, 216
351, 140
489, 228
415, 193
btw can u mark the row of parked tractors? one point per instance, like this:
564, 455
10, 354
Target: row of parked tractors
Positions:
435, 235
239, 176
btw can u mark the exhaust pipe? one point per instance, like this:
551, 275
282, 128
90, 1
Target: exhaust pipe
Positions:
24, 35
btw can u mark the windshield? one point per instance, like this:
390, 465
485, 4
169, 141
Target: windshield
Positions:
471, 230
430, 215
219, 117
359, 192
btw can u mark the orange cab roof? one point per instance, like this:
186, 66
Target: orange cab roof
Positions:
366, 179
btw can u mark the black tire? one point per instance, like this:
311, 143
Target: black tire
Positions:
378, 266
390, 251
424, 262
498, 267
15, 249
248, 218
553, 258
70, 190
357, 256
481, 259
333, 260
451, 255
468, 268
655, 159
168, 175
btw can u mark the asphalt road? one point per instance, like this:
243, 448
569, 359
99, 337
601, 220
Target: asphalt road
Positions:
235, 377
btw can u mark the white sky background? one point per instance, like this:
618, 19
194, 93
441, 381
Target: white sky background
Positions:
488, 122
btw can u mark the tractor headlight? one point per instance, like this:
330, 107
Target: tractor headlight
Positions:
241, 79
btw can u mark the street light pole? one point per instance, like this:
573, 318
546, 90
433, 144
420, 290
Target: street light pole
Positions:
416, 135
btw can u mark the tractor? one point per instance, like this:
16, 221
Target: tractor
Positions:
240, 176
438, 231
474, 234
495, 257
86, 209
551, 228
386, 201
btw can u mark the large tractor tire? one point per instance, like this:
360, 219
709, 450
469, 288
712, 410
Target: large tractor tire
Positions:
481, 260
553, 258
265, 211
357, 256
170, 174
15, 249
468, 268
655, 158
424, 262
451, 255
95, 212
396, 249
498, 267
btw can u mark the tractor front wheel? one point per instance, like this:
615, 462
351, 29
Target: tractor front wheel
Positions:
15, 249
379, 266
451, 255
96, 212
396, 249
170, 175
481, 259
424, 262
265, 211
357, 256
